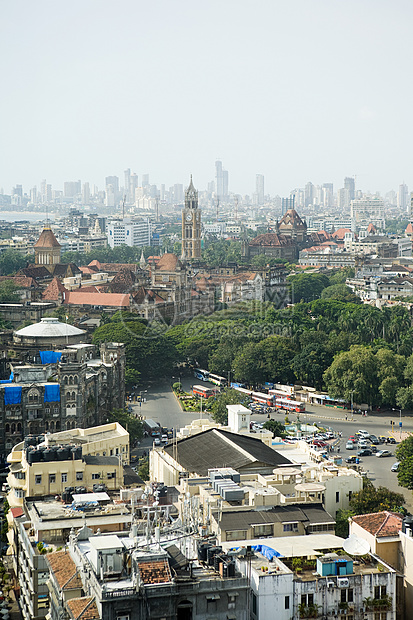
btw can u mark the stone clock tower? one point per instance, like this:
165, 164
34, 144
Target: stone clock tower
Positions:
191, 224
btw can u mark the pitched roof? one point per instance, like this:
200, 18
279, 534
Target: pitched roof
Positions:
114, 267
243, 519
339, 234
47, 239
371, 228
83, 608
123, 281
380, 524
219, 448
16, 512
77, 298
54, 291
168, 262
409, 228
291, 217
143, 295
64, 570
21, 281
39, 272
271, 239
155, 572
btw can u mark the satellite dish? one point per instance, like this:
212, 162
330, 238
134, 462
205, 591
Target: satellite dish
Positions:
356, 546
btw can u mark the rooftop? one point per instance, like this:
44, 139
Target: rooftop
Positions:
380, 524
49, 327
83, 608
64, 570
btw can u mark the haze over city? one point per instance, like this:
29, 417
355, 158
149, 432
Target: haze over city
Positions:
295, 91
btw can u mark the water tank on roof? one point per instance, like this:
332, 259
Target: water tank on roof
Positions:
80, 490
40, 438
78, 452
211, 553
63, 453
29, 455
48, 455
37, 456
407, 524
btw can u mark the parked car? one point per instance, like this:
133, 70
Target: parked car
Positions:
349, 445
365, 452
374, 440
157, 441
382, 439
391, 440
381, 453
395, 466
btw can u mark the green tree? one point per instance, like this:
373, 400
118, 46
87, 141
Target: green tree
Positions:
372, 499
342, 524
405, 472
9, 292
404, 397
353, 371
341, 292
229, 396
405, 449
132, 376
277, 429
341, 275
310, 364
307, 286
11, 261
143, 470
129, 423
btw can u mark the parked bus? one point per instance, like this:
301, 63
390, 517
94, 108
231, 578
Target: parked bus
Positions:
257, 397
205, 392
289, 405
216, 379
280, 394
200, 374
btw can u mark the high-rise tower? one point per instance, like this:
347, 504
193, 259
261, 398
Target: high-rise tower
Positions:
191, 224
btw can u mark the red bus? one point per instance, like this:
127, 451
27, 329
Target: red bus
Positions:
205, 392
258, 397
280, 394
289, 405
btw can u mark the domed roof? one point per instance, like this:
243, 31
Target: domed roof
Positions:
49, 327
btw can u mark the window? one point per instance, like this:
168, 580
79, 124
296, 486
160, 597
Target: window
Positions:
95, 476
347, 596
52, 478
64, 477
111, 475
379, 615
263, 530
380, 591
236, 535
19, 493
286, 602
337, 497
37, 479
79, 475
290, 527
307, 599
254, 603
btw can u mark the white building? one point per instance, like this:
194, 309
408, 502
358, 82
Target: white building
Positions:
136, 232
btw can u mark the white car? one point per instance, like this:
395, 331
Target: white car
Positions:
364, 434
157, 441
349, 445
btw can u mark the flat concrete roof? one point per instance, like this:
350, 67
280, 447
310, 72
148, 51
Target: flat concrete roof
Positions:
293, 546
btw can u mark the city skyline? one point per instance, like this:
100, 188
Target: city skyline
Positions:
292, 91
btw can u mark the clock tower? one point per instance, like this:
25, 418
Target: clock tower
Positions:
191, 224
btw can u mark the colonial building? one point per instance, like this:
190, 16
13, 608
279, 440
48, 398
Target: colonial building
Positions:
47, 248
191, 224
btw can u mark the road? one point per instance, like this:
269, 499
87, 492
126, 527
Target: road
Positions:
161, 405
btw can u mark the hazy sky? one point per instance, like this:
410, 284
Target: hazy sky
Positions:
296, 90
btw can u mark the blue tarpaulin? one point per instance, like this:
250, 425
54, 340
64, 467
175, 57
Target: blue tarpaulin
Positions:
267, 552
52, 393
12, 394
50, 357
5, 381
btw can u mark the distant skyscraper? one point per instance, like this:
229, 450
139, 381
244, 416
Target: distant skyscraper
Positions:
114, 181
219, 180
225, 183
145, 180
343, 198
350, 185
18, 191
85, 193
127, 184
403, 197
259, 188
287, 204
133, 185
71, 188
309, 194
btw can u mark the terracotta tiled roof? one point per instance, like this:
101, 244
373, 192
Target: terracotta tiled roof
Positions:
39, 272
123, 281
64, 570
409, 229
77, 298
380, 524
339, 234
93, 289
168, 262
371, 228
271, 239
292, 217
155, 572
47, 239
112, 267
143, 294
16, 512
83, 608
21, 281
54, 291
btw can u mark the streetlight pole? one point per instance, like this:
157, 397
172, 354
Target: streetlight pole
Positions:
400, 421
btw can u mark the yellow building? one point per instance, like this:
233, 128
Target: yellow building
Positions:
75, 458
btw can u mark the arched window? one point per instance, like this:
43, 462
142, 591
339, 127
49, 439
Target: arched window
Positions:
7, 428
13, 427
46, 425
52, 426
58, 425
70, 380
76, 380
73, 395
19, 427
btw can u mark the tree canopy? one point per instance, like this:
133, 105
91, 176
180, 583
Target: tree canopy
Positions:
218, 406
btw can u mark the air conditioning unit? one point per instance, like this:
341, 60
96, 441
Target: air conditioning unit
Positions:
330, 584
343, 583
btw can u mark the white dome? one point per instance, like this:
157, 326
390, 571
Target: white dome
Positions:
49, 327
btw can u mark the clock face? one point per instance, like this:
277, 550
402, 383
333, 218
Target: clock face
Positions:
188, 217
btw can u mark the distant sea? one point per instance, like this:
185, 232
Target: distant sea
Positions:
31, 216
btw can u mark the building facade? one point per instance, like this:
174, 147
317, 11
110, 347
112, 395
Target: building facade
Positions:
191, 224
